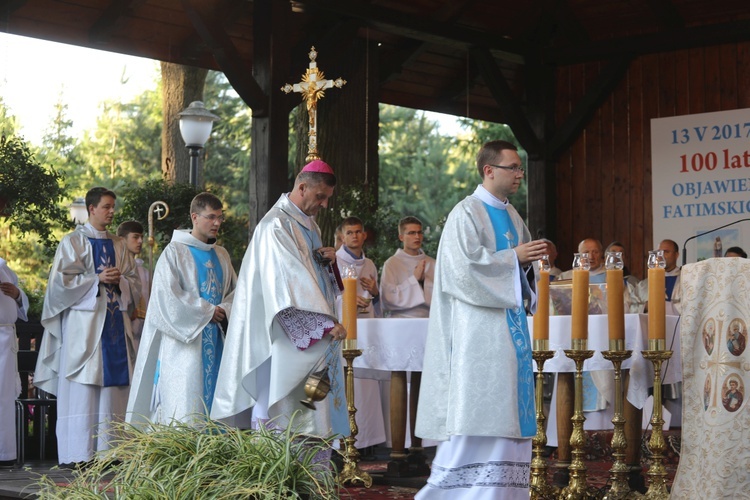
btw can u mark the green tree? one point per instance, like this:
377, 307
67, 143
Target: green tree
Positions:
8, 123
227, 161
33, 217
422, 173
125, 145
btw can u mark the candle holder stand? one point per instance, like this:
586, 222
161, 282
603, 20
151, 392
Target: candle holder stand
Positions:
619, 472
577, 487
352, 474
540, 488
657, 488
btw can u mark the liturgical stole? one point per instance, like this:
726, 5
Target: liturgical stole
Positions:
211, 280
337, 394
507, 238
114, 348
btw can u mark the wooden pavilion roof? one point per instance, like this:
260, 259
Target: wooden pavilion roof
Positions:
463, 57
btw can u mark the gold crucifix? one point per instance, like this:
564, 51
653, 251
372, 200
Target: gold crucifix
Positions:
312, 88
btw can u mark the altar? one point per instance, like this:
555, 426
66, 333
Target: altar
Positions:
394, 347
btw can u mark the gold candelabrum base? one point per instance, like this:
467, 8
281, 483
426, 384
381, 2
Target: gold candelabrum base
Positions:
577, 487
657, 488
540, 488
352, 474
619, 472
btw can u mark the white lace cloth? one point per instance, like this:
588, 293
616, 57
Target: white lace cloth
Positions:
391, 344
304, 328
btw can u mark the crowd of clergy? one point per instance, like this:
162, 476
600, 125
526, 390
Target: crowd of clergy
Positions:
197, 340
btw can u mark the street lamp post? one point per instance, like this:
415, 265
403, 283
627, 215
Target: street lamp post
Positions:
195, 127
78, 211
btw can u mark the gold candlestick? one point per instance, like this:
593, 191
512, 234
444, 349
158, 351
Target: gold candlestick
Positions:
657, 474
619, 471
577, 487
352, 474
540, 488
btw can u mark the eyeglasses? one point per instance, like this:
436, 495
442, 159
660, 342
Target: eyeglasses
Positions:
213, 217
515, 168
414, 233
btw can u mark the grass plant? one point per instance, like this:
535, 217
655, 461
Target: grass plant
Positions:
212, 461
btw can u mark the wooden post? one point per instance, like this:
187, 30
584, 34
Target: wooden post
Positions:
270, 132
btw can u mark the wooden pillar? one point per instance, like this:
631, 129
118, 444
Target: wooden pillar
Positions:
270, 131
540, 175
348, 121
398, 465
633, 434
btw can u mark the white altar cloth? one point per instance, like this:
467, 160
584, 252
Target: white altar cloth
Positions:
396, 344
636, 339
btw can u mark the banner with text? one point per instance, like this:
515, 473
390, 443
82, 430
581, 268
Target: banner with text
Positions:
700, 170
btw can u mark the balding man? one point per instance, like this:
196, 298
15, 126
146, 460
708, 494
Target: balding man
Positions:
672, 280
596, 259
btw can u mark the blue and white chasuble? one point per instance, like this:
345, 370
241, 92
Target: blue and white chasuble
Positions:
114, 348
506, 238
211, 279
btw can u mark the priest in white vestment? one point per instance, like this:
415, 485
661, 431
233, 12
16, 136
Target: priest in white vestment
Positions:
408, 276
13, 306
183, 340
84, 357
477, 394
283, 323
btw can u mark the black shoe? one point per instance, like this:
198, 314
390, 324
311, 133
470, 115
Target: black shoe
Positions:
7, 464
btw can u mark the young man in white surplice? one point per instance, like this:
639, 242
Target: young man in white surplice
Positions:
367, 388
406, 289
406, 282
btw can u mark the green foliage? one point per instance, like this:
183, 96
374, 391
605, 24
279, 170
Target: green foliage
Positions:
138, 197
227, 162
212, 461
8, 123
33, 193
125, 145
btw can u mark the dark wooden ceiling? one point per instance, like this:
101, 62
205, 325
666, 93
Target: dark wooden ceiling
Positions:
464, 57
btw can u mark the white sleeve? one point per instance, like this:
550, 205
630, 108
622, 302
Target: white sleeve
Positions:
399, 292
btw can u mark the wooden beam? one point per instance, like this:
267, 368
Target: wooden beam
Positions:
610, 76
221, 46
508, 102
463, 79
411, 49
409, 100
193, 48
667, 14
667, 41
422, 28
570, 27
101, 31
9, 7
332, 43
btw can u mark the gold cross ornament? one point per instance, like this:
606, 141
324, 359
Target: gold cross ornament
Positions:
312, 88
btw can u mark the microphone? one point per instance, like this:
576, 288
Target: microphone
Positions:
684, 245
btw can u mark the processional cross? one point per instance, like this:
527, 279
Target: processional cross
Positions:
312, 88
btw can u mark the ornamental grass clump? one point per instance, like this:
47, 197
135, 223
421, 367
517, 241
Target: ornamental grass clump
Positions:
180, 461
